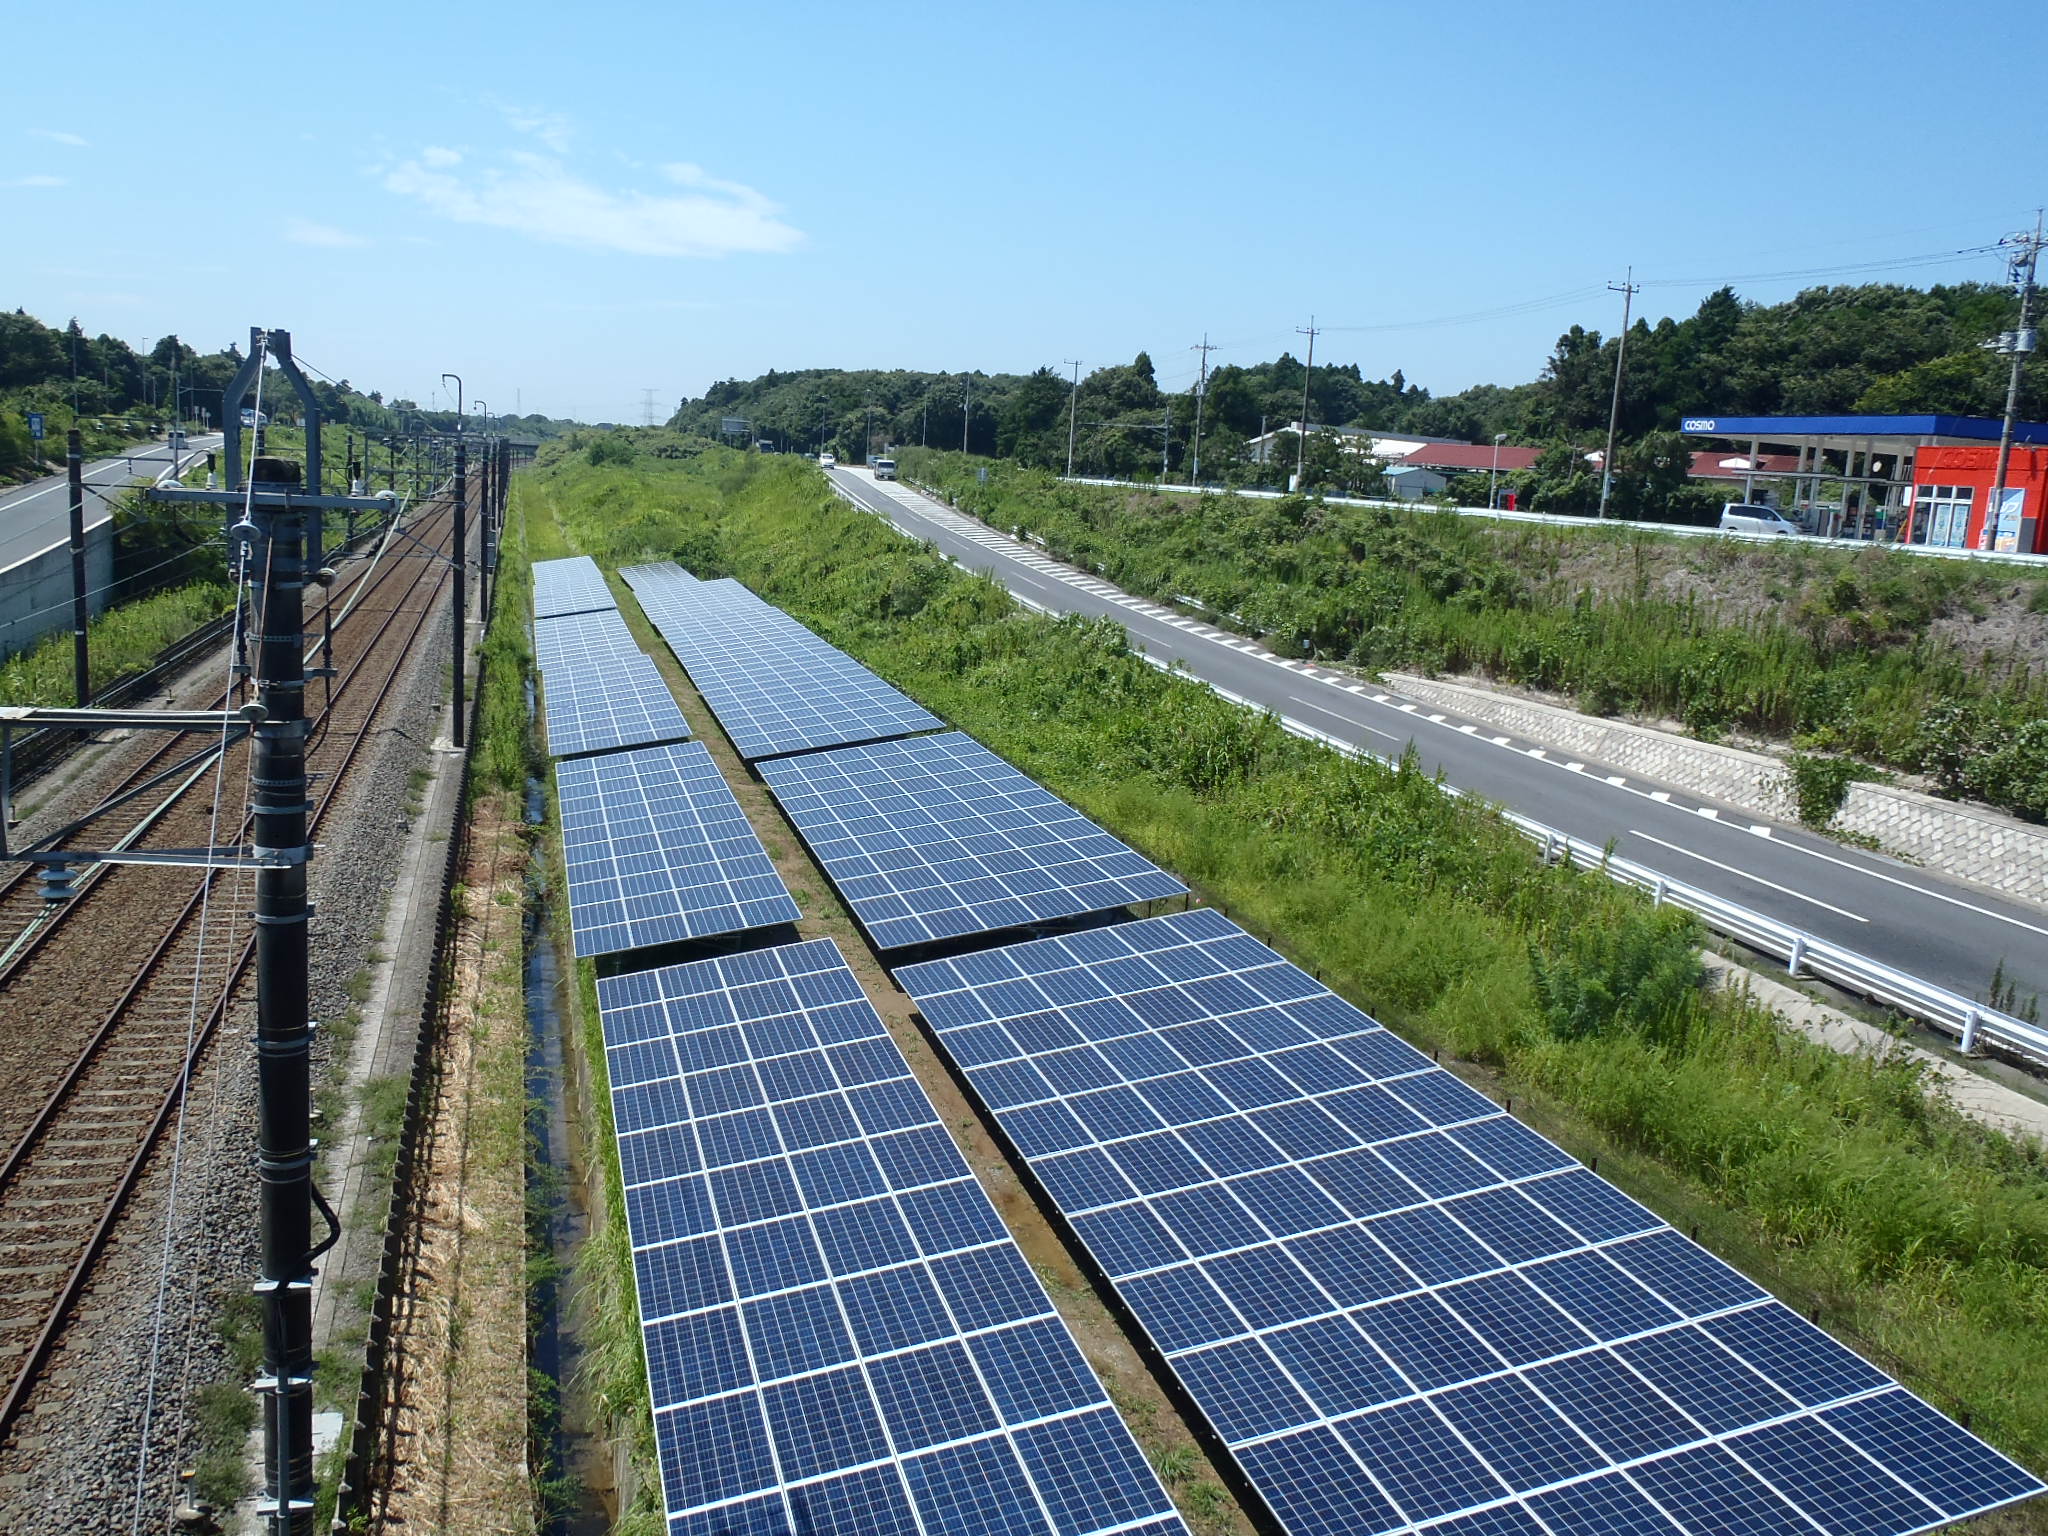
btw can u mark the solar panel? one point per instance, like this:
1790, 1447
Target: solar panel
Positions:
625, 703
656, 576
574, 585
1398, 1306
937, 836
775, 686
582, 642
658, 850
841, 1336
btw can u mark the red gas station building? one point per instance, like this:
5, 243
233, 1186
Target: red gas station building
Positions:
1903, 479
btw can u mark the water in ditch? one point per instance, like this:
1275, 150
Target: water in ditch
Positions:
568, 1453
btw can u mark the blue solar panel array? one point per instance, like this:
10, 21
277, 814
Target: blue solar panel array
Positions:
574, 585
936, 837
842, 1338
1402, 1309
658, 851
775, 687
656, 576
625, 703
582, 642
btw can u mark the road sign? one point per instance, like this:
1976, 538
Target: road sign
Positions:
732, 426
35, 425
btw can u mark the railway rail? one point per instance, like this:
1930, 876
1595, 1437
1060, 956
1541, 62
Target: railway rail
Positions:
105, 1048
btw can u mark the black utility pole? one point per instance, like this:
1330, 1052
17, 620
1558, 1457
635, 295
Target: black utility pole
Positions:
461, 571
284, 1036
81, 606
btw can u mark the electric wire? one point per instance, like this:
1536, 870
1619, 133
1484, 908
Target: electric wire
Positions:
171, 1202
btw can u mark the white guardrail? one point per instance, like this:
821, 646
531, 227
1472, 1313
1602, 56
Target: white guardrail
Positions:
1973, 1025
1567, 520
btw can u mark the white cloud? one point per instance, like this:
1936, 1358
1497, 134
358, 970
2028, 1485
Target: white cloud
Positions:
58, 136
537, 196
439, 158
34, 181
306, 232
551, 128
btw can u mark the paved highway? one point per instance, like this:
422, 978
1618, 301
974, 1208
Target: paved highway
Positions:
1942, 931
37, 515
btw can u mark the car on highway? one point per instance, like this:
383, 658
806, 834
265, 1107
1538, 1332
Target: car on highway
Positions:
826, 461
885, 469
1749, 517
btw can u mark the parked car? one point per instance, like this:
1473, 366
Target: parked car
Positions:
1748, 517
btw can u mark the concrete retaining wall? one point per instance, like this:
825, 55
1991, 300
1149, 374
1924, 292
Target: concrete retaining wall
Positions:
1970, 843
35, 593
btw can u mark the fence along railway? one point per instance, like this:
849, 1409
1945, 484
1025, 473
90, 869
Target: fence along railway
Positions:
137, 937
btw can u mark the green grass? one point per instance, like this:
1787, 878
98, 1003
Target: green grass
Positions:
1845, 662
1838, 1181
120, 641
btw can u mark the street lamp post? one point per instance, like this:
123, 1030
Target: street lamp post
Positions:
1493, 484
458, 398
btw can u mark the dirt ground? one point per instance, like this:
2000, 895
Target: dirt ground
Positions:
459, 1341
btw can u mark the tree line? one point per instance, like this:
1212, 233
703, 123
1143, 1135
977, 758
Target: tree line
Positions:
1876, 347
119, 394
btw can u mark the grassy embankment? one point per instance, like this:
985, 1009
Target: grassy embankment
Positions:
1837, 1181
1931, 666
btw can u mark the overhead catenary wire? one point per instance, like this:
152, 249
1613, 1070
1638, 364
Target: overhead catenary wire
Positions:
168, 1246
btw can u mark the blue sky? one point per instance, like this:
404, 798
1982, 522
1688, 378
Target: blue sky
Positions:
568, 205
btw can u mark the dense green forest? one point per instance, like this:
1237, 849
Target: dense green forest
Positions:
118, 395
1877, 347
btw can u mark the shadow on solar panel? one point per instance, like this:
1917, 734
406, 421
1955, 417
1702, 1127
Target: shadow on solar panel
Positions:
937, 837
1399, 1307
842, 1338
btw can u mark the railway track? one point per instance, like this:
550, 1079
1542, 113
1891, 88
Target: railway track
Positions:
109, 1065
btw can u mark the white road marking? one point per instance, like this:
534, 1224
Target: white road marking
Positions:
1708, 811
1954, 901
1746, 875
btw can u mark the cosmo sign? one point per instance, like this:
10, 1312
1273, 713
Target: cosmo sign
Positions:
1697, 424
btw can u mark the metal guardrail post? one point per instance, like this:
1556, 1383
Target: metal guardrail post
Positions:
1796, 961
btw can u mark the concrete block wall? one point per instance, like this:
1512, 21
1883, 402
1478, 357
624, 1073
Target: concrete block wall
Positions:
1966, 842
35, 592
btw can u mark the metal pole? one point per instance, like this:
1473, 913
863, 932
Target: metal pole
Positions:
1493, 483
1165, 438
966, 404
81, 606
1201, 395
1627, 287
284, 1037
461, 562
1073, 407
2023, 265
1301, 443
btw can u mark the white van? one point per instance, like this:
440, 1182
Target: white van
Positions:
885, 469
1748, 517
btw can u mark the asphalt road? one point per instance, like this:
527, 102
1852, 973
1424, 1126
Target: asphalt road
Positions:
1942, 931
37, 515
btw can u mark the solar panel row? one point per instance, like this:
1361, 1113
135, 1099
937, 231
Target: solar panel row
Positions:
574, 585
936, 836
656, 575
775, 687
1400, 1308
582, 642
624, 703
659, 851
841, 1335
